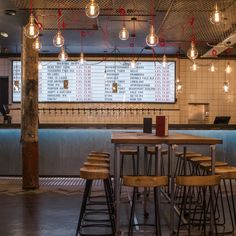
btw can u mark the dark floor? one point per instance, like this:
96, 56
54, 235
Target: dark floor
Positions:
54, 209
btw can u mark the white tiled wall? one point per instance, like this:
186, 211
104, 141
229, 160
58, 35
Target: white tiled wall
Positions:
201, 86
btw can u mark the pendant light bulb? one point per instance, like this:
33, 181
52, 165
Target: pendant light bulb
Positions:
152, 39
63, 56
228, 69
226, 86
92, 9
114, 87
192, 52
31, 30
216, 16
164, 61
124, 33
81, 59
179, 86
133, 64
194, 66
58, 40
212, 68
37, 45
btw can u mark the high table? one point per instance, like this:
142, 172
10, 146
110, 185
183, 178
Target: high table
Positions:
143, 139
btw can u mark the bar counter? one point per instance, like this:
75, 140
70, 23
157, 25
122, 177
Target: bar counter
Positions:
64, 147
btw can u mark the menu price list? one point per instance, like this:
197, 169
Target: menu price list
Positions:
92, 82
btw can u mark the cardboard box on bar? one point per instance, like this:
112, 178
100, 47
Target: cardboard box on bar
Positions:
162, 126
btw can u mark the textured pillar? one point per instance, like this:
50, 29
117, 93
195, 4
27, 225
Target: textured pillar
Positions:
29, 115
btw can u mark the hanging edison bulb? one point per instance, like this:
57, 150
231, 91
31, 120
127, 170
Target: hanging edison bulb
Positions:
40, 66
192, 52
179, 86
31, 30
212, 68
216, 16
114, 87
81, 59
152, 39
133, 64
92, 9
226, 86
164, 61
194, 66
124, 33
58, 39
37, 45
228, 68
63, 56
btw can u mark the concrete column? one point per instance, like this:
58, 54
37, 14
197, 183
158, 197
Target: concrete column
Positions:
29, 115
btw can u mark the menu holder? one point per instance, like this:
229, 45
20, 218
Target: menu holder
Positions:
147, 125
162, 126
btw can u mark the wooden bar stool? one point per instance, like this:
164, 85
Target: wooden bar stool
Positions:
90, 174
228, 176
194, 206
151, 152
145, 182
182, 161
128, 152
206, 166
195, 161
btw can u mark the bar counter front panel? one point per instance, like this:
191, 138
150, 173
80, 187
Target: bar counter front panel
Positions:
62, 151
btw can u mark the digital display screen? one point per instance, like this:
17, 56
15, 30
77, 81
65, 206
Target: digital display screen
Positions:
106, 81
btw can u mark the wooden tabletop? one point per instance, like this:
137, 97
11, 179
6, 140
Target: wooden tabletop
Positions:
172, 138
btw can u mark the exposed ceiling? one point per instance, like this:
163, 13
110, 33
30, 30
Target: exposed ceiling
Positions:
176, 21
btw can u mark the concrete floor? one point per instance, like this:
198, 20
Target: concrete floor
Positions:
54, 209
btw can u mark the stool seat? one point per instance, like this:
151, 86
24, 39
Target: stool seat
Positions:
188, 153
200, 159
207, 180
98, 155
152, 151
129, 151
98, 159
94, 173
145, 181
226, 172
102, 153
96, 165
207, 164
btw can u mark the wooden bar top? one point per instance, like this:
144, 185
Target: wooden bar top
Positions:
172, 138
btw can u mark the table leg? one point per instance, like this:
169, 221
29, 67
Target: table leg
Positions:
172, 187
213, 160
117, 187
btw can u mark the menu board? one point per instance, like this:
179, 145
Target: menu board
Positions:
106, 81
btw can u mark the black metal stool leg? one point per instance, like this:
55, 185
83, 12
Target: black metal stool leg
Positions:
132, 211
87, 191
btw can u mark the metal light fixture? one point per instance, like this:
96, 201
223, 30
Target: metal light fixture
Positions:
192, 52
31, 30
226, 86
212, 68
194, 66
124, 33
133, 64
58, 39
228, 68
37, 45
92, 9
152, 39
63, 56
216, 16
164, 61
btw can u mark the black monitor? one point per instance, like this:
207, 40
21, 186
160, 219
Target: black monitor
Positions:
222, 120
